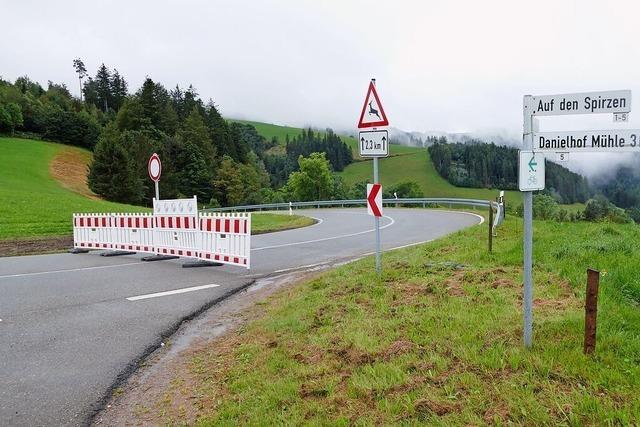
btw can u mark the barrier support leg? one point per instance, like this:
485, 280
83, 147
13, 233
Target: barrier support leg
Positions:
203, 263
159, 257
117, 253
78, 251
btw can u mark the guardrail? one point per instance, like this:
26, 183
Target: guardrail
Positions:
425, 202
358, 202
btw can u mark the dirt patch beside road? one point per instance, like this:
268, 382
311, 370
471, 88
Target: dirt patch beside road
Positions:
35, 245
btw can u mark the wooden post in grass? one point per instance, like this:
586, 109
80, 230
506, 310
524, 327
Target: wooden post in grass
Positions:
490, 227
591, 311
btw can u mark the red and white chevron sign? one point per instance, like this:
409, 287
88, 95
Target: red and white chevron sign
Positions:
374, 199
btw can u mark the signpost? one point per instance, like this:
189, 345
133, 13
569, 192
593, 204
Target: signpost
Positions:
531, 168
374, 143
615, 101
154, 167
592, 140
536, 144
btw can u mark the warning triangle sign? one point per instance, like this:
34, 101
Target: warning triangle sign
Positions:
372, 114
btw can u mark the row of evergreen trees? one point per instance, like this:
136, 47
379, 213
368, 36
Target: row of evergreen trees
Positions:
221, 162
336, 152
52, 113
480, 165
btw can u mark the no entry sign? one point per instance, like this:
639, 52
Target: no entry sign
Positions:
154, 167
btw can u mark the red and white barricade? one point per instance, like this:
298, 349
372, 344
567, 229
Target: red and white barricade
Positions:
176, 230
133, 232
226, 238
92, 231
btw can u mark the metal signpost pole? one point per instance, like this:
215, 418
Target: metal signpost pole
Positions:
374, 143
377, 219
528, 232
157, 191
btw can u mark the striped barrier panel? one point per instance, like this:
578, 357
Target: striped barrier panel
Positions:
92, 231
133, 232
176, 229
226, 238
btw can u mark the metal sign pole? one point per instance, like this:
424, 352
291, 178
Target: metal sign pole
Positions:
528, 233
157, 191
377, 219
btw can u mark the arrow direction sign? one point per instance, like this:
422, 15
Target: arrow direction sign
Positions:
531, 171
374, 199
374, 143
614, 101
589, 141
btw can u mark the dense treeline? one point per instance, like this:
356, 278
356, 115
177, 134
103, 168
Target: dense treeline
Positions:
481, 165
52, 113
202, 154
337, 153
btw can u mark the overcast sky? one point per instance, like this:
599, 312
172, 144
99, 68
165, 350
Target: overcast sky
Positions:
440, 65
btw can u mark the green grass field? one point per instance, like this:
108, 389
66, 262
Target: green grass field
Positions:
270, 130
418, 167
403, 164
266, 222
33, 204
436, 340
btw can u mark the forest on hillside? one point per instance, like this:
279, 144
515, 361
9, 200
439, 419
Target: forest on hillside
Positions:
481, 165
222, 162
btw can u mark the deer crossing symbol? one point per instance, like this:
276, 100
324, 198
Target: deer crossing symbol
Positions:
373, 111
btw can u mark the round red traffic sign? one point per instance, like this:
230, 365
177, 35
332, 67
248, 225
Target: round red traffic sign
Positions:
154, 167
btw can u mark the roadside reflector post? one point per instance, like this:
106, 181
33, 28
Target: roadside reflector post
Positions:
591, 311
490, 226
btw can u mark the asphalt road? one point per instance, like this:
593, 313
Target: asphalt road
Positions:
68, 331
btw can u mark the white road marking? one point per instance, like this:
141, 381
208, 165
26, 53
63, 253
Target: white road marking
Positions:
326, 238
174, 292
68, 270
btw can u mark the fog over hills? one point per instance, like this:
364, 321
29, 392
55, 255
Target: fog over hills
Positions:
597, 167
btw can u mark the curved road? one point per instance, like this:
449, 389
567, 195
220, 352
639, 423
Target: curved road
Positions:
73, 325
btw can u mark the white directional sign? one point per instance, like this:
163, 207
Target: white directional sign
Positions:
531, 171
374, 143
616, 101
594, 140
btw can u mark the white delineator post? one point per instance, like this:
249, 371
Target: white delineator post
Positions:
527, 305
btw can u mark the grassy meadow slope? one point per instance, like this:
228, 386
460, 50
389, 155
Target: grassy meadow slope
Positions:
418, 167
32, 202
42, 184
403, 164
